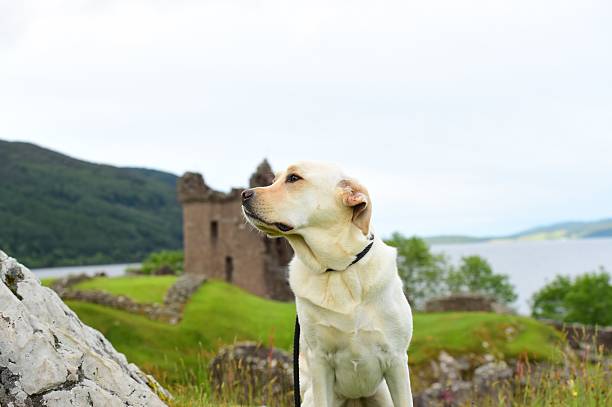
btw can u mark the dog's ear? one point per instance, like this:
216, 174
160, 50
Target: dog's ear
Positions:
356, 196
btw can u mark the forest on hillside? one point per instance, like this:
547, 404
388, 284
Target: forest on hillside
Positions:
56, 210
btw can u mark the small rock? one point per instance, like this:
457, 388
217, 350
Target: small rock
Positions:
491, 372
450, 370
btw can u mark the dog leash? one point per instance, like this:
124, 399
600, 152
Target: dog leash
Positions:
296, 363
296, 334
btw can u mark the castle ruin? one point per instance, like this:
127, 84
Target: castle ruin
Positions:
220, 244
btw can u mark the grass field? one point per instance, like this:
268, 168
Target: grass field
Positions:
217, 314
220, 313
144, 289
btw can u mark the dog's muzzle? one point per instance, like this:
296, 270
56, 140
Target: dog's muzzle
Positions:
247, 198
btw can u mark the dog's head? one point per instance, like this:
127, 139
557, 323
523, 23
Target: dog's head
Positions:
313, 201
308, 196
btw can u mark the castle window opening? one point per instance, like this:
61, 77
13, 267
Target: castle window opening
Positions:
214, 230
229, 269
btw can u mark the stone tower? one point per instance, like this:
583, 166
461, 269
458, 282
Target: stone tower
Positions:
220, 244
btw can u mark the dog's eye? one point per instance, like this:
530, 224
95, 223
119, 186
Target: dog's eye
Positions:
291, 178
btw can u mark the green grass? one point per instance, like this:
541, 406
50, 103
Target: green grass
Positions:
220, 313
145, 289
460, 333
47, 281
217, 314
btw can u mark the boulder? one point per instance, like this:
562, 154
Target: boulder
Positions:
254, 374
48, 357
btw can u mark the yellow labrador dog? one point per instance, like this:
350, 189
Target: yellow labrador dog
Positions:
355, 321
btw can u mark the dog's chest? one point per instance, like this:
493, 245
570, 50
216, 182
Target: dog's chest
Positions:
359, 347
364, 332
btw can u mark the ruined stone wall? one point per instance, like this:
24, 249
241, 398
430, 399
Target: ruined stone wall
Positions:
219, 243
460, 302
278, 254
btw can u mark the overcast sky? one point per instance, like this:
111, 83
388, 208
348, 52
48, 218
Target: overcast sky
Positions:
479, 117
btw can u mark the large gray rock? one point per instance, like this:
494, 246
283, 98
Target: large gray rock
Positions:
48, 357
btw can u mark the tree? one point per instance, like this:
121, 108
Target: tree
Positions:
586, 299
423, 273
170, 259
475, 275
549, 301
426, 275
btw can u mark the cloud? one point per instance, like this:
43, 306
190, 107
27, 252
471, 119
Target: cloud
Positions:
476, 116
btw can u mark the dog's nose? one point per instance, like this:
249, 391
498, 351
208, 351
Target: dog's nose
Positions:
247, 194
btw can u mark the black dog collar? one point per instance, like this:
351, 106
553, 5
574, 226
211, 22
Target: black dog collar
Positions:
359, 255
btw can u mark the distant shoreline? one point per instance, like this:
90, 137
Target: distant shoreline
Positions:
111, 270
458, 239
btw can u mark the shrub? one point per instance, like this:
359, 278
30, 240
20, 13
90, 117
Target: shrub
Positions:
423, 273
586, 299
475, 275
426, 275
165, 259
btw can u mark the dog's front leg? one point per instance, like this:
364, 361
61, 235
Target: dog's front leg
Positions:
322, 376
398, 382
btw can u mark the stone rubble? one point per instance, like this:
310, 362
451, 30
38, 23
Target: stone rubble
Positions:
264, 375
48, 357
461, 302
456, 380
179, 294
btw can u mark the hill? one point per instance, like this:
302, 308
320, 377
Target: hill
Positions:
569, 230
563, 230
56, 210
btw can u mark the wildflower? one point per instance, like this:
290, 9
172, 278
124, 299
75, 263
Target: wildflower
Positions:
573, 390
